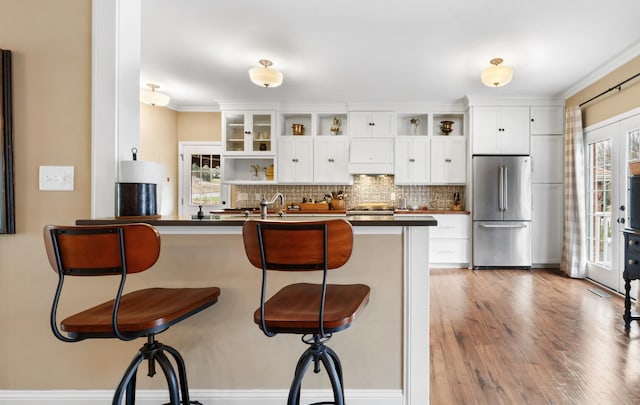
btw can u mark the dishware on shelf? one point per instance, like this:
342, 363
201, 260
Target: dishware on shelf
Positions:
446, 127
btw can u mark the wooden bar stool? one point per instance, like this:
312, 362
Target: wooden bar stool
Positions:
120, 250
315, 311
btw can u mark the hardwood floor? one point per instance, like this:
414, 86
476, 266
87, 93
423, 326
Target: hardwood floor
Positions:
528, 337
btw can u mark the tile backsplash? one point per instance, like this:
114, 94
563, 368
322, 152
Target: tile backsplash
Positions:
365, 189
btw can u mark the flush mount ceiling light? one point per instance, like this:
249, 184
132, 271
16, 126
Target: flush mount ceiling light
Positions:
153, 97
496, 75
264, 76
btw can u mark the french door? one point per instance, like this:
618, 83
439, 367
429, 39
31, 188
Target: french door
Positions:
607, 151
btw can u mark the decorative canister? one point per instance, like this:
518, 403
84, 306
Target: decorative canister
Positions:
446, 127
298, 129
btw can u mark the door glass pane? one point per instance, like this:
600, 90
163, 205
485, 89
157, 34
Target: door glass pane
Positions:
599, 203
634, 145
205, 180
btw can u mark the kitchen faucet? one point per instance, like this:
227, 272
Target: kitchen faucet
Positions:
264, 204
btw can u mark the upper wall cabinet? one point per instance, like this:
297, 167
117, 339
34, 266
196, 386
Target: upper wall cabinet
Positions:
547, 120
248, 133
500, 130
370, 124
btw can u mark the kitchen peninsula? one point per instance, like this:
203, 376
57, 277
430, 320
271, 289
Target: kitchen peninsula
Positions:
385, 354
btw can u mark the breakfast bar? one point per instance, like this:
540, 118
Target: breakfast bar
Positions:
385, 354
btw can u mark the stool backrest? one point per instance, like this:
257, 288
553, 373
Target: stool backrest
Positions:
298, 246
99, 250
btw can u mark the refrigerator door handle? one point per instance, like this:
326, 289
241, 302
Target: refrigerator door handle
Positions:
506, 189
501, 190
503, 225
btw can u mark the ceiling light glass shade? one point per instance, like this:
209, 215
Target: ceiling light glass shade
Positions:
153, 97
263, 76
496, 75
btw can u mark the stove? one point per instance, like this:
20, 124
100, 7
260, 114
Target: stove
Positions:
371, 209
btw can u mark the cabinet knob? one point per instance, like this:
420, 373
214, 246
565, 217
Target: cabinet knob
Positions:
331, 160
448, 160
412, 160
294, 160
532, 120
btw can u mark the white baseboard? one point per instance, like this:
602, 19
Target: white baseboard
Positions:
217, 397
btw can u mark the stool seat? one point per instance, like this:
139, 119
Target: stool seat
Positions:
141, 312
294, 309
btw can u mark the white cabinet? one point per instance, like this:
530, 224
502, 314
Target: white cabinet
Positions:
371, 156
547, 120
500, 130
449, 241
448, 160
547, 155
547, 223
295, 159
370, 124
331, 160
412, 160
248, 132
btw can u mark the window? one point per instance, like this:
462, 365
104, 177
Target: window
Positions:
200, 178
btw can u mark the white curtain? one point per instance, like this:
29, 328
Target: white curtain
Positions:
574, 244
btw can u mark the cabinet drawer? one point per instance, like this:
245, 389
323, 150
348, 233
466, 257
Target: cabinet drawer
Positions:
632, 257
449, 251
451, 226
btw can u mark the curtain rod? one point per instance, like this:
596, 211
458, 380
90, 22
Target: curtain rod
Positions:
617, 86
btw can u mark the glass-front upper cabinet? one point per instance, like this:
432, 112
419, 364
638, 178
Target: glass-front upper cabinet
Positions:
248, 132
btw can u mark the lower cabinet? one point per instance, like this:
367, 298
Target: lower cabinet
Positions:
547, 223
449, 241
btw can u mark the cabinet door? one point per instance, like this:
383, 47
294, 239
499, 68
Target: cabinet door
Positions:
411, 163
359, 124
295, 159
547, 223
547, 120
371, 156
448, 160
234, 132
331, 160
547, 155
381, 121
485, 131
513, 130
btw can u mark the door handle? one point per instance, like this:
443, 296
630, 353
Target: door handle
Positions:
503, 225
620, 220
501, 189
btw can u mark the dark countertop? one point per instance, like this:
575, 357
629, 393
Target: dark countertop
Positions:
239, 220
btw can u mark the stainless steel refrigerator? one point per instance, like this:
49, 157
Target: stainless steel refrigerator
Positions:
501, 211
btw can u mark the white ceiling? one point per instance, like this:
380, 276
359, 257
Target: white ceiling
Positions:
379, 51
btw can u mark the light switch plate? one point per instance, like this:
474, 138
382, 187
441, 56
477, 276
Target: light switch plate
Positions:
56, 178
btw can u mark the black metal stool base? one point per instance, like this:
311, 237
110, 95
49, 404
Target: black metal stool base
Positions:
318, 353
155, 352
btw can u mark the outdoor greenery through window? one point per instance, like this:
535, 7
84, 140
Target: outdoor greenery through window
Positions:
599, 202
205, 180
